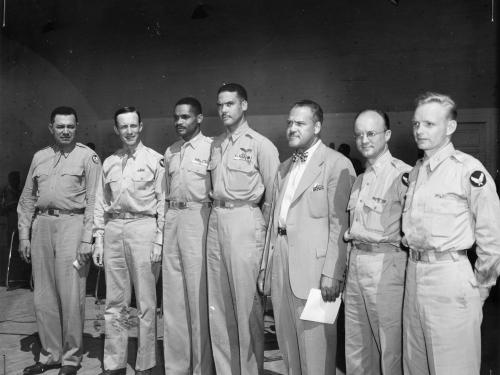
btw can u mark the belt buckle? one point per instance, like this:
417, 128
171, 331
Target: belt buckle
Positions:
53, 212
181, 205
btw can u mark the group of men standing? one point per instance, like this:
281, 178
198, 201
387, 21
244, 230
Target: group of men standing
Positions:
224, 221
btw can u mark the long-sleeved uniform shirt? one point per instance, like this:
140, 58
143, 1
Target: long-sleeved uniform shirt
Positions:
186, 166
451, 204
131, 183
58, 180
377, 200
243, 167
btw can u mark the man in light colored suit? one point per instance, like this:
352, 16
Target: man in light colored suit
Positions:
305, 248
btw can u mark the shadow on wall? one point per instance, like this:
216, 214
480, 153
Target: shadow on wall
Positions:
31, 87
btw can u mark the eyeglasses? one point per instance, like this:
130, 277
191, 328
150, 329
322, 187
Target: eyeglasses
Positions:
370, 134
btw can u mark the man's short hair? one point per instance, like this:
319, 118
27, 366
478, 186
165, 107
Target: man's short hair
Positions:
444, 100
315, 108
123, 110
64, 111
385, 117
193, 102
234, 87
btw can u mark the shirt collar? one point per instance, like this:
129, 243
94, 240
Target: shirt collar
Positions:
381, 162
137, 150
440, 156
193, 142
242, 129
310, 151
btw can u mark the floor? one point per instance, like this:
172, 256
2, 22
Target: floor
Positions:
19, 343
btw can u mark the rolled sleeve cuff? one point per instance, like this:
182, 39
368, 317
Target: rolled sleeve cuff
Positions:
86, 236
24, 234
159, 238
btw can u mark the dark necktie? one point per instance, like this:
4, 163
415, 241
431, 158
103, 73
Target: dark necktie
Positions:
299, 155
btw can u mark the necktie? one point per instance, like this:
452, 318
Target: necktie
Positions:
299, 155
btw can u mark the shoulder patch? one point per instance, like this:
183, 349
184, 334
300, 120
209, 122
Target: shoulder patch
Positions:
478, 179
162, 162
405, 179
95, 159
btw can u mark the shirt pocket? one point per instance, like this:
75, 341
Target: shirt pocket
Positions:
374, 209
73, 180
442, 211
241, 175
317, 201
197, 169
144, 181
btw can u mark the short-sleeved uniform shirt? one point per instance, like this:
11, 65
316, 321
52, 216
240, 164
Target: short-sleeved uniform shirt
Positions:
377, 200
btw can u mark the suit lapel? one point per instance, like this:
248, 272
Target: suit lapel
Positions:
312, 171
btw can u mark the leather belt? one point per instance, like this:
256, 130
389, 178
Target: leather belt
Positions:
376, 247
432, 256
281, 231
183, 205
57, 212
232, 204
128, 215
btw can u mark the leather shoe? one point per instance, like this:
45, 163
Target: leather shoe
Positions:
144, 372
39, 368
120, 371
68, 370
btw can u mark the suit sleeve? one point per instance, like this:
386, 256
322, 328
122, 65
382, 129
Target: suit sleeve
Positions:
270, 227
341, 177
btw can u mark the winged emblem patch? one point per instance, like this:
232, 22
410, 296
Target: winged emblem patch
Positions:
478, 179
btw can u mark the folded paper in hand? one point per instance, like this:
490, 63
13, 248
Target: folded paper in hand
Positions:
317, 310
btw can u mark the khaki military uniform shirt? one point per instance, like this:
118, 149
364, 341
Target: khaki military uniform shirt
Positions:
131, 184
377, 200
243, 167
451, 204
60, 181
187, 174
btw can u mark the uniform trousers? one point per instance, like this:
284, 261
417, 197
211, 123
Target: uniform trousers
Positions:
442, 319
186, 337
234, 249
127, 250
374, 312
308, 348
59, 295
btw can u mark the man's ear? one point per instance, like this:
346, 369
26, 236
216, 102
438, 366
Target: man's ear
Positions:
317, 127
451, 127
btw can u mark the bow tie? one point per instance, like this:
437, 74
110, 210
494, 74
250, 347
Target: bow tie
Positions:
299, 155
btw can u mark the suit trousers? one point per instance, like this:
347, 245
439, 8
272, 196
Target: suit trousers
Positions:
186, 339
59, 288
308, 348
127, 251
235, 244
442, 319
374, 312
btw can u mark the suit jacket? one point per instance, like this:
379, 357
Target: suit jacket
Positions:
316, 221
